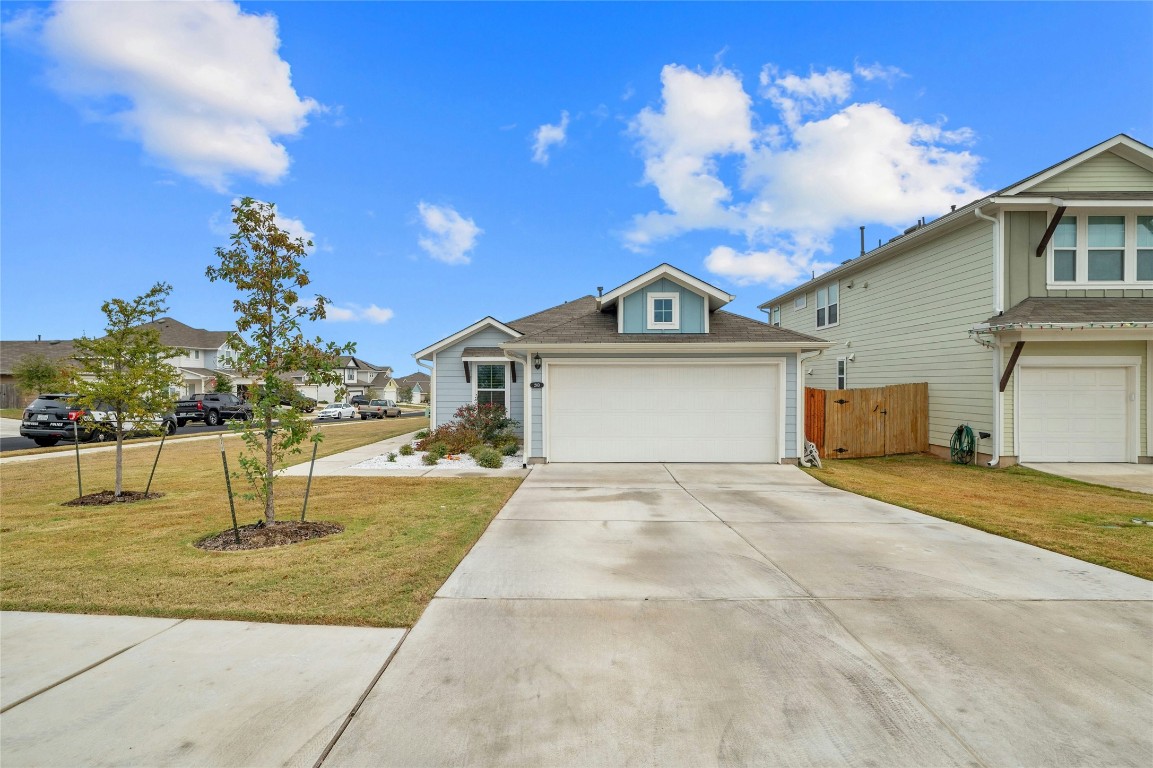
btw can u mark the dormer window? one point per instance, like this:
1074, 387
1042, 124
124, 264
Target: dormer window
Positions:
664, 311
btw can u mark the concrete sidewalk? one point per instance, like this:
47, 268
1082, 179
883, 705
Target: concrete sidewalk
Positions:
1130, 477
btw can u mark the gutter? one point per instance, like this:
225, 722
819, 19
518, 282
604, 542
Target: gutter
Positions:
431, 392
998, 309
802, 438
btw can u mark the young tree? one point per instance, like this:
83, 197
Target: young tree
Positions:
404, 394
36, 373
221, 383
264, 263
125, 372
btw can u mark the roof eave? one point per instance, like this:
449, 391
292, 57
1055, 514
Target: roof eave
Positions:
490, 321
717, 298
672, 348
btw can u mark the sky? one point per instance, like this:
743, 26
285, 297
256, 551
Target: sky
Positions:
453, 161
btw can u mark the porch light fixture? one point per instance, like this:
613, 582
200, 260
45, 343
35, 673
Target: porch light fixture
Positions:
536, 361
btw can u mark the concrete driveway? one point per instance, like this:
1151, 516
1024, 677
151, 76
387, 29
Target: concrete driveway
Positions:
747, 615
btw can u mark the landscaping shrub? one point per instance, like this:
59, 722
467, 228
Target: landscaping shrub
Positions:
422, 434
439, 450
456, 438
486, 457
488, 420
510, 449
430, 458
406, 450
391, 457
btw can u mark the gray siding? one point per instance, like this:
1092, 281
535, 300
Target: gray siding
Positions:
790, 416
906, 319
693, 308
452, 391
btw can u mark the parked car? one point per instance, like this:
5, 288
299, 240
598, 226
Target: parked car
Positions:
337, 411
56, 416
104, 425
212, 408
378, 409
299, 402
358, 400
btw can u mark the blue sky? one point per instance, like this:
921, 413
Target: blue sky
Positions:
452, 161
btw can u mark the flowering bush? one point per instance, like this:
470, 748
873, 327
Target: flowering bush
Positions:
455, 437
489, 420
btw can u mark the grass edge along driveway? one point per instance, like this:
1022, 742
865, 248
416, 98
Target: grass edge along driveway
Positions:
1089, 522
402, 538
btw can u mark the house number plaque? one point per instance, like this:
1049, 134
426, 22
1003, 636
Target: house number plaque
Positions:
537, 385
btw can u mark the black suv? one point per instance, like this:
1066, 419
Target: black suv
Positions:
212, 408
54, 417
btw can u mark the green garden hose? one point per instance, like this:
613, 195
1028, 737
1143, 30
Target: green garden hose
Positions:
961, 445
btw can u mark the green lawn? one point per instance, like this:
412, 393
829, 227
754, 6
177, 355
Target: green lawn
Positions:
402, 538
1089, 522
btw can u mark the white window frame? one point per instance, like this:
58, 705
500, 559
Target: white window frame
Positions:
650, 306
507, 380
1082, 280
842, 373
826, 304
775, 316
349, 375
801, 301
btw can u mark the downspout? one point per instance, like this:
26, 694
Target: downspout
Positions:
998, 308
525, 366
803, 358
431, 393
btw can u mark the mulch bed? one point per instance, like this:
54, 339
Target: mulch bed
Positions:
261, 535
110, 497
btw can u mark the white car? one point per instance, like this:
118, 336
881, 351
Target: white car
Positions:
337, 411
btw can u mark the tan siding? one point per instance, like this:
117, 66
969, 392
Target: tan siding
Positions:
1105, 173
1007, 402
910, 324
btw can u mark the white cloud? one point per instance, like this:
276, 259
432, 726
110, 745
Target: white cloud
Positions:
876, 71
549, 136
450, 236
200, 85
784, 183
356, 313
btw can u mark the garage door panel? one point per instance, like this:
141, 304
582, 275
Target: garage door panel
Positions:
1074, 414
654, 412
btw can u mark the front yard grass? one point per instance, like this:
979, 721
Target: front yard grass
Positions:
402, 538
1088, 522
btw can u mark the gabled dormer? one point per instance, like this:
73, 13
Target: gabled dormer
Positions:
664, 300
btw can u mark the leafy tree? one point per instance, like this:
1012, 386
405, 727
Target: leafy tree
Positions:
404, 394
264, 263
125, 372
37, 373
222, 383
372, 393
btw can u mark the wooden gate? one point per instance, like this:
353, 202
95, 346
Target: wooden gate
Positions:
875, 421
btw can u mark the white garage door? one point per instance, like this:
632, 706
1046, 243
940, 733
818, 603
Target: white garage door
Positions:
656, 412
1074, 414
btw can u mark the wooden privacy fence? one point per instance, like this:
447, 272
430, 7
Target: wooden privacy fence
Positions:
876, 421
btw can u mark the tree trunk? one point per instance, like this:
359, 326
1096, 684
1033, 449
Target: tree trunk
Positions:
269, 469
119, 461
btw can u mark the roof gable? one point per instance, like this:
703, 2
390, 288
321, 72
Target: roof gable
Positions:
1121, 147
479, 325
715, 296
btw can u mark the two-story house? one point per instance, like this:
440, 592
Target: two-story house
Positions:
615, 377
205, 355
1028, 312
357, 377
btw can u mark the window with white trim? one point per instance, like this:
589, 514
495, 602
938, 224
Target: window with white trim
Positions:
828, 304
842, 373
491, 384
350, 374
664, 311
776, 316
1101, 249
801, 301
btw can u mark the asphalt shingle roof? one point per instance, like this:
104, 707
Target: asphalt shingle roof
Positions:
1075, 311
176, 334
580, 322
12, 352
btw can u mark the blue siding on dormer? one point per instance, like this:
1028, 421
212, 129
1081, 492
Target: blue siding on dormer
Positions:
635, 305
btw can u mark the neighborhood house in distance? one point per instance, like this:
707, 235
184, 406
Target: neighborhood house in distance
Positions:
1028, 312
205, 357
617, 377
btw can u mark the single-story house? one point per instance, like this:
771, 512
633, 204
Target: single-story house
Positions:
418, 383
614, 377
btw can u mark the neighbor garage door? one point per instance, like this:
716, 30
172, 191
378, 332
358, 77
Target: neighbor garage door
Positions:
1074, 414
662, 412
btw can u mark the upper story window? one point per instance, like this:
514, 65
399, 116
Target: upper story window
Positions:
801, 301
1105, 250
196, 354
776, 316
664, 311
842, 373
828, 300
350, 374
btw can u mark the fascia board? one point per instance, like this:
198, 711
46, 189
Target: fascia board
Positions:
1123, 146
717, 297
488, 322
1017, 202
677, 348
